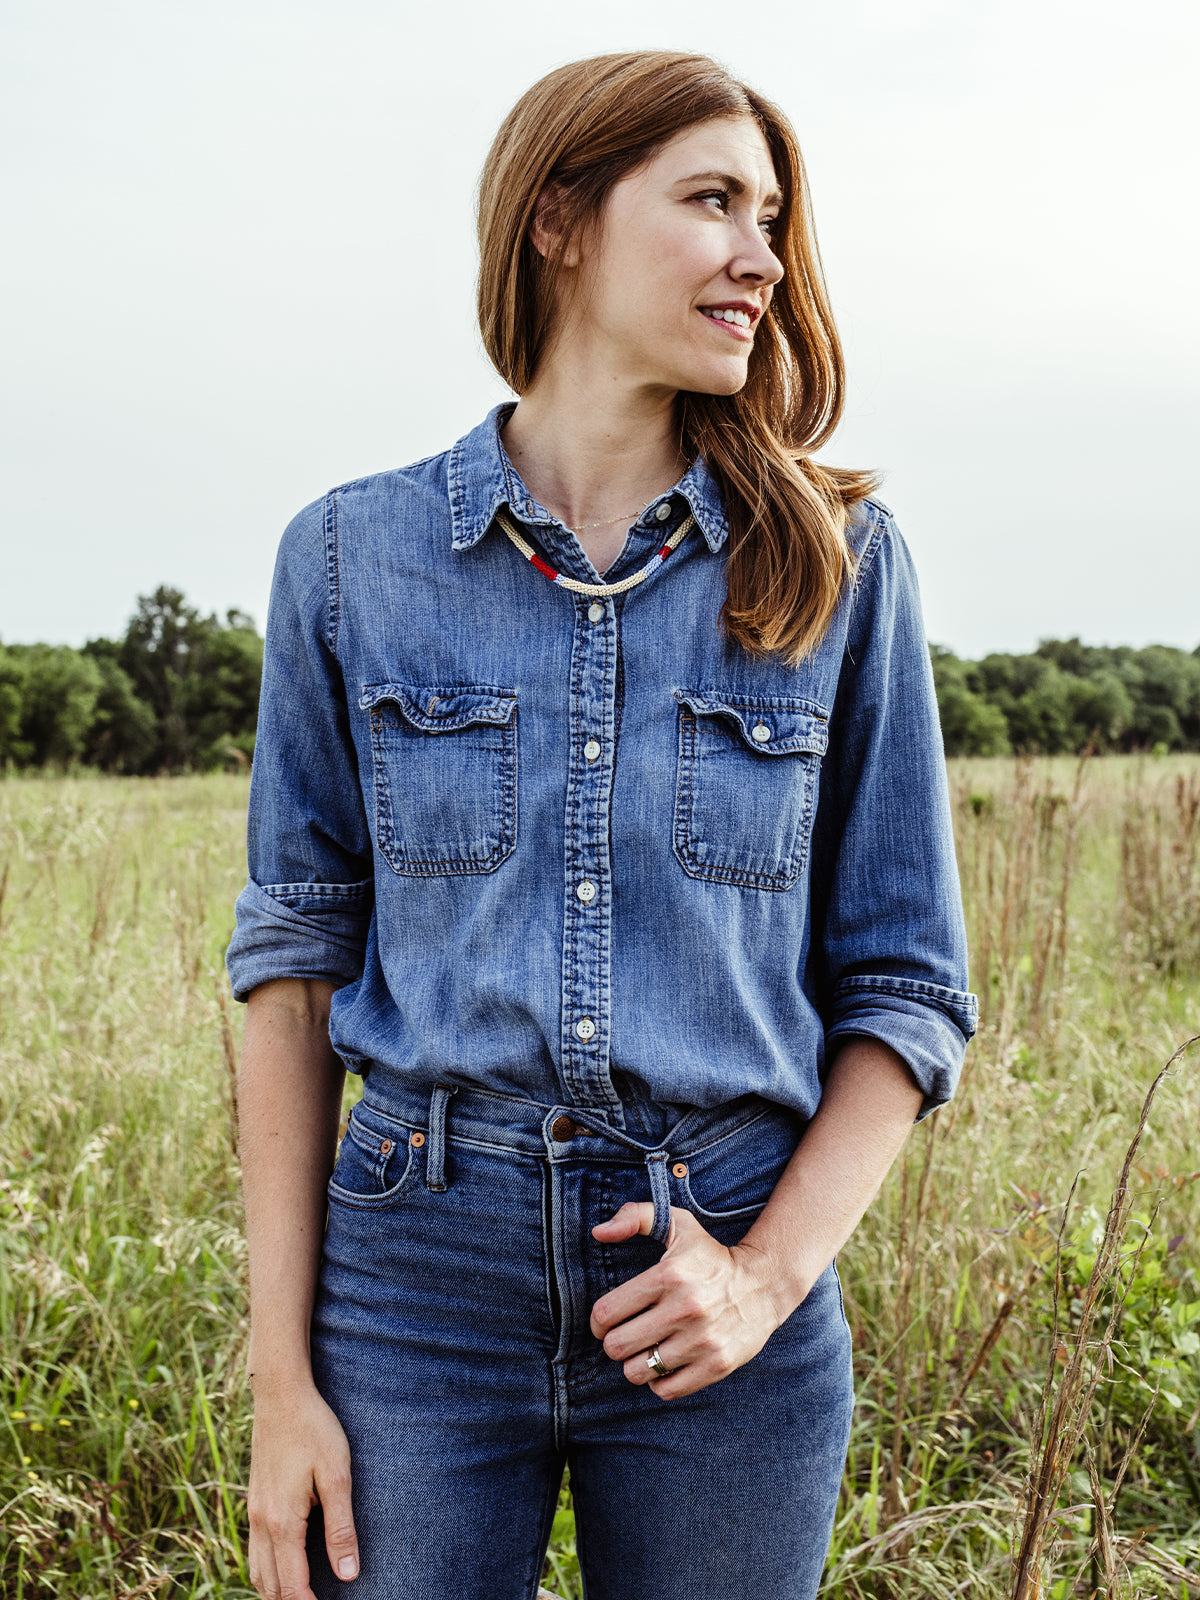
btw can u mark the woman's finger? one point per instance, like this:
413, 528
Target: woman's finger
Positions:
341, 1541
634, 1217
670, 1352
291, 1562
262, 1567
626, 1338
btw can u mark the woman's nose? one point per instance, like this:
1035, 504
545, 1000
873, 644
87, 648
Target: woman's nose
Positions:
758, 261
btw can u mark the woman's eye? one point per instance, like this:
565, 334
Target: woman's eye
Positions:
768, 225
719, 197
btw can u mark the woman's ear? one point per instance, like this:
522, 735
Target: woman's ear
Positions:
546, 228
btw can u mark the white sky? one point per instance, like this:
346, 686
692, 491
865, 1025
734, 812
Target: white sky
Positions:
240, 257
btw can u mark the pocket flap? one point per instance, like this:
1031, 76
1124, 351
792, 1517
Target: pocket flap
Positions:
438, 710
768, 727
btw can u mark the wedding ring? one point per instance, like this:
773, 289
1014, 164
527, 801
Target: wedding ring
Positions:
657, 1365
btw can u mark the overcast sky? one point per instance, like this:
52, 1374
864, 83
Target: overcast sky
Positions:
240, 257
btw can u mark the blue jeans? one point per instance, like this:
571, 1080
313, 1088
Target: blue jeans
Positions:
451, 1338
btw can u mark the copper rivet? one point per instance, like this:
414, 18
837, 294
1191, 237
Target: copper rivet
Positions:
385, 1148
562, 1129
679, 1169
418, 1139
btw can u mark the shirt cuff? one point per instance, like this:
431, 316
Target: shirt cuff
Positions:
927, 1026
299, 930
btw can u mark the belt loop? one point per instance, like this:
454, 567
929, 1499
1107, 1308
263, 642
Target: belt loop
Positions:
660, 1194
435, 1155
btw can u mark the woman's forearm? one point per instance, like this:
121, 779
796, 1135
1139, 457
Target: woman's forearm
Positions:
867, 1108
289, 1101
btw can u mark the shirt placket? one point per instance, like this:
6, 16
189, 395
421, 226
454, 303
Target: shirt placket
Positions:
587, 886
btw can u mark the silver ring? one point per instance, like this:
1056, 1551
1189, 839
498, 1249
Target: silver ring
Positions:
657, 1365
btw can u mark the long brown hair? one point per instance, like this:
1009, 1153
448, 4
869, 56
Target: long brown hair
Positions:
576, 133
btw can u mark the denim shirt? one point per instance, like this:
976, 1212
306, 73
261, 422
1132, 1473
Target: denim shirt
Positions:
546, 844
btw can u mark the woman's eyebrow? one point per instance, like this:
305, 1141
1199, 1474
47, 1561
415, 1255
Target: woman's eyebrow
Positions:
733, 184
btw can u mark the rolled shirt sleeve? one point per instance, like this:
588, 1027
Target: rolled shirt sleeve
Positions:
306, 909
890, 941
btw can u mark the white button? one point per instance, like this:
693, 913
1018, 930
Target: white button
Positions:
585, 1028
586, 891
664, 511
595, 611
760, 733
592, 749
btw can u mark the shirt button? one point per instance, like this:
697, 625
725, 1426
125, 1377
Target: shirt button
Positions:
592, 749
585, 1028
586, 891
760, 733
595, 611
664, 511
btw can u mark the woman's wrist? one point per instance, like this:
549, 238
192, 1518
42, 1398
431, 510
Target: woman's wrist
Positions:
783, 1280
280, 1380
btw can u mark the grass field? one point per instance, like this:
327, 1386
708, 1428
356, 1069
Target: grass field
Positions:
123, 1400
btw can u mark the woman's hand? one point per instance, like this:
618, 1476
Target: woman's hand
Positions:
707, 1307
710, 1309
299, 1456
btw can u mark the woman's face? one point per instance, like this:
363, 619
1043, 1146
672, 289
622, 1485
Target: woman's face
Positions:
671, 292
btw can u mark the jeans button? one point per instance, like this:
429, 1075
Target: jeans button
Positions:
562, 1129
679, 1169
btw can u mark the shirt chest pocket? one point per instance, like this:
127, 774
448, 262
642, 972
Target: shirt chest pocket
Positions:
445, 763
747, 787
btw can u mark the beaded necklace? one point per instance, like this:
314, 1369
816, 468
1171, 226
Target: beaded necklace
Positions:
597, 589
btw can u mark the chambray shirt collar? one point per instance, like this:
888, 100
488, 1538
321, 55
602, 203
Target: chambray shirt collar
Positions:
482, 479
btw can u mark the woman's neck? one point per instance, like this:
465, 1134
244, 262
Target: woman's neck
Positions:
594, 457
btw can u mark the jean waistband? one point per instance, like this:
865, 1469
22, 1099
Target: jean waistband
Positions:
486, 1117
554, 1132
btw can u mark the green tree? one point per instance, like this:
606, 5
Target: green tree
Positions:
59, 692
200, 677
970, 725
124, 734
12, 683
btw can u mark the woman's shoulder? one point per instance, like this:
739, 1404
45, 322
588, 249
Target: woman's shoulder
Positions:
869, 523
421, 486
400, 501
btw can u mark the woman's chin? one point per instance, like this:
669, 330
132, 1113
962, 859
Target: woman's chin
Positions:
726, 382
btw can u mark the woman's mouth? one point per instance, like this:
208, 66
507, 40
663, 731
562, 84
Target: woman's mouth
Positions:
730, 320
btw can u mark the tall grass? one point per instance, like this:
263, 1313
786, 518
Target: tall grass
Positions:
1027, 1347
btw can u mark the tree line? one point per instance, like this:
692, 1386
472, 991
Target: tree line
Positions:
179, 693
1065, 697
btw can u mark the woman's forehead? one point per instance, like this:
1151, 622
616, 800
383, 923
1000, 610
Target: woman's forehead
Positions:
722, 149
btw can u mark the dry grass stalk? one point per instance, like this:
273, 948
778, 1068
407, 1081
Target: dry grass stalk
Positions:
1059, 1435
1160, 875
992, 1337
229, 1053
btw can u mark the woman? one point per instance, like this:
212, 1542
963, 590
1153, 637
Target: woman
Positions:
630, 894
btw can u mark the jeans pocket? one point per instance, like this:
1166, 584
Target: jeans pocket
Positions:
732, 1179
376, 1164
747, 786
445, 763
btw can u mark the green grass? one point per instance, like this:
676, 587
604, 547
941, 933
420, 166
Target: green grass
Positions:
123, 1403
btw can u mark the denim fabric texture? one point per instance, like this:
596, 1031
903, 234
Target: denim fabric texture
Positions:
542, 842
451, 1339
